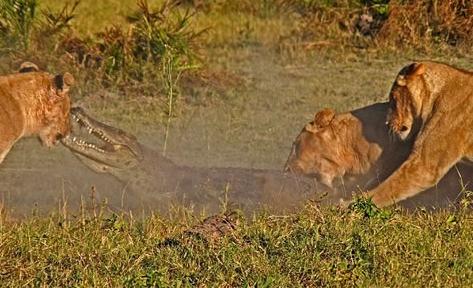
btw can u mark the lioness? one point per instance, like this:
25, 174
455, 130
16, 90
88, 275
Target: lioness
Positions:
433, 103
356, 148
33, 103
352, 145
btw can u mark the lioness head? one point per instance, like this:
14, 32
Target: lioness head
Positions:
56, 115
405, 100
315, 151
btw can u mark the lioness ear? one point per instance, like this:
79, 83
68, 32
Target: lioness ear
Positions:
63, 82
310, 127
68, 79
324, 117
28, 67
419, 69
414, 69
61, 85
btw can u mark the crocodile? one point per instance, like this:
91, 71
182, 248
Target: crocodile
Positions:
159, 183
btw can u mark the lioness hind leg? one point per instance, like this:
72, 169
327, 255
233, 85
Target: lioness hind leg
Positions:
6, 142
7, 139
3, 152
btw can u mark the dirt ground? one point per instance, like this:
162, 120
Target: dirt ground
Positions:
252, 125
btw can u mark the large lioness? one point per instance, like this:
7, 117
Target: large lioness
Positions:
355, 147
33, 103
432, 103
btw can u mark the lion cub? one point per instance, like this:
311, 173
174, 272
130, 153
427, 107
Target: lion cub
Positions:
33, 103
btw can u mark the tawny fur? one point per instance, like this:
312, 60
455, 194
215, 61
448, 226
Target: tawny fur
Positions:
432, 103
33, 103
353, 144
356, 148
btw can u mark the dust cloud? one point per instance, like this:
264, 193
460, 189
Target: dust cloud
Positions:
253, 128
40, 181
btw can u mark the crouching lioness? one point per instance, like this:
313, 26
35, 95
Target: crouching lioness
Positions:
349, 145
356, 147
33, 103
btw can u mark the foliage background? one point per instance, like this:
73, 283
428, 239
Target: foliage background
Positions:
230, 83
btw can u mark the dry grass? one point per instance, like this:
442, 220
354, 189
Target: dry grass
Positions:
265, 71
426, 24
312, 248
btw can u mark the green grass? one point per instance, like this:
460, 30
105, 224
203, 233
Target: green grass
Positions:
94, 16
312, 248
266, 81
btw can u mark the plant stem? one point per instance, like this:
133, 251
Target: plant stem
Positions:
168, 71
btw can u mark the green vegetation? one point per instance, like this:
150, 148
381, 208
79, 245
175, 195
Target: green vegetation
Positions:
130, 49
24, 29
313, 248
17, 21
229, 83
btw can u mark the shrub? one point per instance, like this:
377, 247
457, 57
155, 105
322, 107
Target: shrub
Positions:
17, 20
158, 41
426, 23
23, 29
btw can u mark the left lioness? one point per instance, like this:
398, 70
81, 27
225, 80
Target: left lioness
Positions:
33, 103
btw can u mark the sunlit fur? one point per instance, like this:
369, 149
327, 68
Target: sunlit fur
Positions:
33, 103
434, 103
349, 144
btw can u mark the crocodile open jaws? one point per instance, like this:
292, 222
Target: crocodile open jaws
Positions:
159, 183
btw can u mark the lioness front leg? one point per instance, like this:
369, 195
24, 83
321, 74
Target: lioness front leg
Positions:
429, 161
412, 178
